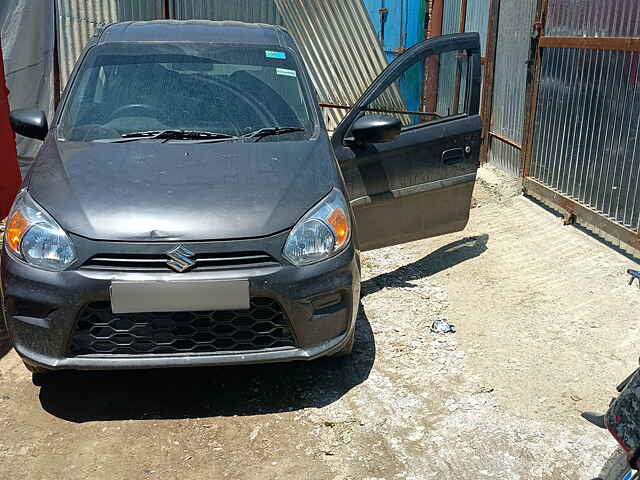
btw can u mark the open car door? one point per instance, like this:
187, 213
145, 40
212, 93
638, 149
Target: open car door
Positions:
409, 148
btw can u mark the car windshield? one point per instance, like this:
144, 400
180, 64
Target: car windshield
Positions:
208, 91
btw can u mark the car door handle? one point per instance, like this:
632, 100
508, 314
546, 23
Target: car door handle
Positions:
453, 155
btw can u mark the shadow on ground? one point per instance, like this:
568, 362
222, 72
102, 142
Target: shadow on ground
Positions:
441, 259
5, 346
208, 392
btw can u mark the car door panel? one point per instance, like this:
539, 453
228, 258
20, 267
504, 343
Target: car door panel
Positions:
420, 184
408, 191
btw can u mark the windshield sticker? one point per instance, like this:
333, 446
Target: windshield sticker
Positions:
278, 55
286, 71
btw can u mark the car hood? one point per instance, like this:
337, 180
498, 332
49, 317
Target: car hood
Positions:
152, 191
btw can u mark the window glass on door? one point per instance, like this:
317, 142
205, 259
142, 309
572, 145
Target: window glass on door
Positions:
432, 89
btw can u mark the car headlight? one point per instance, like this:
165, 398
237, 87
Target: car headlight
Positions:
323, 232
34, 237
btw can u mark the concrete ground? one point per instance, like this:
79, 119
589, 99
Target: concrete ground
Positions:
546, 327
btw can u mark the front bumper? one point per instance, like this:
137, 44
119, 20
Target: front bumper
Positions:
42, 307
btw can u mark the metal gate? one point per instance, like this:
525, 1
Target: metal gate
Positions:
582, 151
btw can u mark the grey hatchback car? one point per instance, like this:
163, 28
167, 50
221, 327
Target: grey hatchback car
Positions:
187, 206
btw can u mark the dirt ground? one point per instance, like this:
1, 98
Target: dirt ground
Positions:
546, 327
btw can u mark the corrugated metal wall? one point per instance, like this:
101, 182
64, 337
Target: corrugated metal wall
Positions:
593, 18
510, 82
78, 20
339, 46
477, 20
451, 17
252, 11
588, 112
447, 70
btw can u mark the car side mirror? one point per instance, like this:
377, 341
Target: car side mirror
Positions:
29, 123
376, 129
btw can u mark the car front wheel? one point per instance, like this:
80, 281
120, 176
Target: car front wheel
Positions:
347, 349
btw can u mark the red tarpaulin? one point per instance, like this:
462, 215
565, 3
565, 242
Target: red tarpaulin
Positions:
9, 171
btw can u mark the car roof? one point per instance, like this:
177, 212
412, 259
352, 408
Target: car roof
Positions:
226, 32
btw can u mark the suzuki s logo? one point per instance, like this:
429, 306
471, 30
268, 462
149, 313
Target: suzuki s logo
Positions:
181, 259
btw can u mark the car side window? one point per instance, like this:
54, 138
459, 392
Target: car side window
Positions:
433, 88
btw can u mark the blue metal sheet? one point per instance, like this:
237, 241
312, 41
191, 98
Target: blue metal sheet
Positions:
402, 26
399, 24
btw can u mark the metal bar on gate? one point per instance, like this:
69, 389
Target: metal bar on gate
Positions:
626, 44
506, 140
166, 10
487, 87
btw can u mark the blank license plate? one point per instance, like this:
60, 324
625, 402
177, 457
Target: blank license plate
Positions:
132, 297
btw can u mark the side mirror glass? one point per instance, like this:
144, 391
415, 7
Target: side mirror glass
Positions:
376, 129
29, 123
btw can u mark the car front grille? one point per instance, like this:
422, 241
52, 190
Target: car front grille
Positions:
158, 262
99, 331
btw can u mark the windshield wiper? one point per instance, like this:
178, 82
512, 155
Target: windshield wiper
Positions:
265, 132
172, 135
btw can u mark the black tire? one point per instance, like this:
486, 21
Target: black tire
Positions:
616, 467
347, 349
